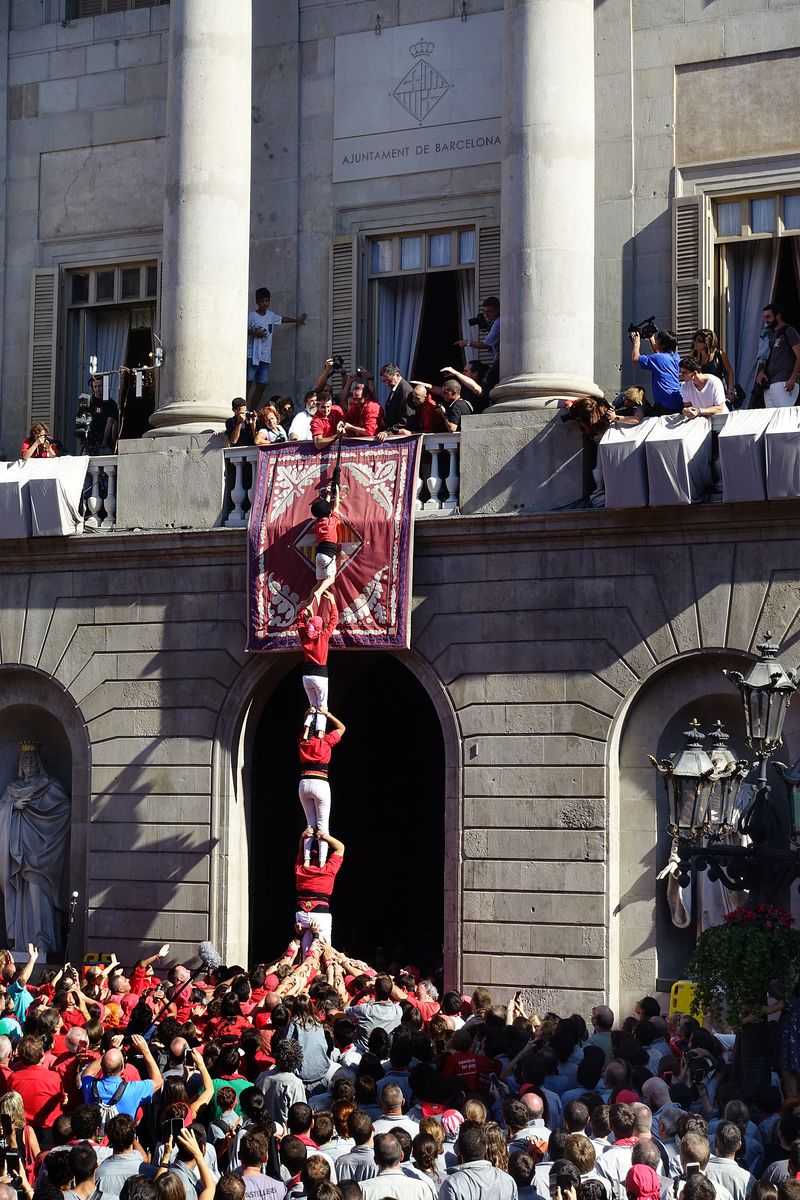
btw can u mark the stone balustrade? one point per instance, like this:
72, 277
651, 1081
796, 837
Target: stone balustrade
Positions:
101, 502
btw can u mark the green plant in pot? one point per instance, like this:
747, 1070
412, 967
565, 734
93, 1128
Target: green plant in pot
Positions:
734, 962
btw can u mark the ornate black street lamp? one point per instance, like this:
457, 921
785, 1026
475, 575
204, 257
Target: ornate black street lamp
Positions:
705, 793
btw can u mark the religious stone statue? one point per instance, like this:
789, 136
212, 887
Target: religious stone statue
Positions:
34, 851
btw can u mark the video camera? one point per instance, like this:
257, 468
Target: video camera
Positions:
338, 362
480, 323
646, 328
83, 418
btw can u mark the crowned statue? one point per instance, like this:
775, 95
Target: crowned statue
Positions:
34, 853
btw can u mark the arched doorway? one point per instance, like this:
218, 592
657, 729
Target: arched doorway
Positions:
388, 785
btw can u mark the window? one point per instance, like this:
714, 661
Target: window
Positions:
95, 8
110, 315
421, 297
436, 251
757, 259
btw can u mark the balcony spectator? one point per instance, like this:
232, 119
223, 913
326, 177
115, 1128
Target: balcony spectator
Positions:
269, 429
39, 444
428, 415
703, 395
260, 325
490, 311
398, 410
325, 425
714, 361
300, 428
779, 376
663, 366
456, 405
364, 416
241, 427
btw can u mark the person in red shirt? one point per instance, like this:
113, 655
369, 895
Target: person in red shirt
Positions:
429, 417
314, 885
325, 426
364, 416
314, 789
315, 635
39, 1087
326, 532
38, 443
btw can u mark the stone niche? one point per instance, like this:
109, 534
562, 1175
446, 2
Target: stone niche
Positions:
33, 707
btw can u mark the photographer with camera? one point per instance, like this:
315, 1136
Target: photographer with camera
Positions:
662, 364
39, 444
241, 427
488, 321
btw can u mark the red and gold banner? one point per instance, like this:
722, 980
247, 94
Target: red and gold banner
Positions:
376, 522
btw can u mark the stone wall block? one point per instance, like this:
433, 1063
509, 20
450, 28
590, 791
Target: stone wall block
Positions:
150, 808
102, 56
475, 843
146, 83
150, 926
28, 68
150, 839
66, 64
533, 781
165, 780
124, 750
104, 89
139, 52
163, 868
57, 96
518, 970
517, 876
577, 972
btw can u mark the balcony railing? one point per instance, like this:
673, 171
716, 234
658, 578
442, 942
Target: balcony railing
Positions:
101, 501
437, 486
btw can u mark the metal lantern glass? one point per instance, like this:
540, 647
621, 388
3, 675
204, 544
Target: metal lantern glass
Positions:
729, 772
765, 693
689, 780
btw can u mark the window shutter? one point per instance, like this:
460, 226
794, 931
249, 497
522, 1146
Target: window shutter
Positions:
343, 301
487, 270
42, 374
693, 250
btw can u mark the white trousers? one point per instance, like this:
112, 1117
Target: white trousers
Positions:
316, 688
311, 923
776, 395
315, 797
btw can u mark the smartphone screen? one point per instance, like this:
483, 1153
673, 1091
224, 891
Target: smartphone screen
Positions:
5, 1124
692, 1169
12, 1160
175, 1127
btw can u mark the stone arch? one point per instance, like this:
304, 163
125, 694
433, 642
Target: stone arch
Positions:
231, 797
33, 704
651, 721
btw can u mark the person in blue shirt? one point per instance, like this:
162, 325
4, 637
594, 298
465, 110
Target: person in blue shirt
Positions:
663, 366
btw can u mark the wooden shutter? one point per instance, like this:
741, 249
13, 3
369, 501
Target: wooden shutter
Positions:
487, 270
42, 373
89, 8
692, 267
344, 298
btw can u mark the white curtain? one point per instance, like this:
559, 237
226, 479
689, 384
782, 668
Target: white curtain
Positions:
107, 337
752, 268
466, 308
399, 314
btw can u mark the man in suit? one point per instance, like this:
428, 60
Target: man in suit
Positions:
398, 410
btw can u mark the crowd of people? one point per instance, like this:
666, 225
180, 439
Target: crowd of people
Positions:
317, 1076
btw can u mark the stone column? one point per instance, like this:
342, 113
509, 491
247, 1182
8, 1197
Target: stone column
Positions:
206, 215
547, 203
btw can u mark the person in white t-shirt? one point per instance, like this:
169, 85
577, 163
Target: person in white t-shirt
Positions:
703, 395
260, 324
300, 428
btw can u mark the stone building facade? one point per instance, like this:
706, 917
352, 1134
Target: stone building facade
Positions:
558, 648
